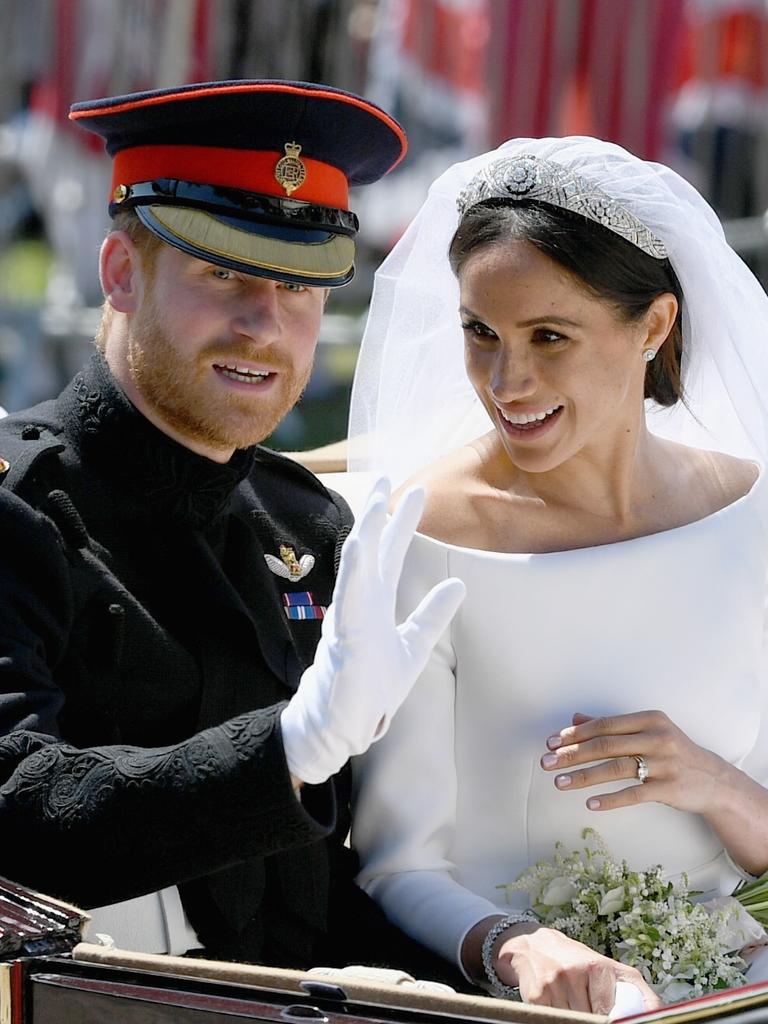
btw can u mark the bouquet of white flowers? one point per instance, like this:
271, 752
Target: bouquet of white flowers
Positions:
682, 948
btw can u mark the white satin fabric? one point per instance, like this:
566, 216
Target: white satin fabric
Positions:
453, 801
155, 923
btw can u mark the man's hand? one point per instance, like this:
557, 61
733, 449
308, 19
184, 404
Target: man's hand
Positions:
365, 663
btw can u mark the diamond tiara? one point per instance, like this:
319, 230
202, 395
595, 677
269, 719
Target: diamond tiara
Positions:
530, 177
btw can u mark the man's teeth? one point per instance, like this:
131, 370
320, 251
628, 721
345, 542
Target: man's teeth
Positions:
243, 373
522, 418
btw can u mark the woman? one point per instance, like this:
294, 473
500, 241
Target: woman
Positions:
611, 528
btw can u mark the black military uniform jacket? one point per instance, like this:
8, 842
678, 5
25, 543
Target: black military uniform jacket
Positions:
145, 650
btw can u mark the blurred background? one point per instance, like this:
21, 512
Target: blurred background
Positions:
681, 81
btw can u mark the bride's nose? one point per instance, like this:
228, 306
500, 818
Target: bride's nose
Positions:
514, 376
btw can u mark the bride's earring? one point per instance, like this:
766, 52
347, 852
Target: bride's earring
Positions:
649, 354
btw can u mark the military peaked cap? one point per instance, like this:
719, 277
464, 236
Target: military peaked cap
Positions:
250, 175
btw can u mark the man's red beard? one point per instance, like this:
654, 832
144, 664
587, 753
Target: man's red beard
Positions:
180, 388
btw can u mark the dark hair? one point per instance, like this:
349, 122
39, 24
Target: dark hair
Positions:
611, 267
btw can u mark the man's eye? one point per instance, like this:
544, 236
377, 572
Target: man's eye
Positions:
223, 274
293, 286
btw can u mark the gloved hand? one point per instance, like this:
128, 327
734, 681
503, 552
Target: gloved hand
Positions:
365, 664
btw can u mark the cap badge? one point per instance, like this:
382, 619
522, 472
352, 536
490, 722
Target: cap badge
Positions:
288, 566
4, 466
291, 172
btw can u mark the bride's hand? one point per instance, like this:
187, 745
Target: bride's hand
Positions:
553, 970
680, 773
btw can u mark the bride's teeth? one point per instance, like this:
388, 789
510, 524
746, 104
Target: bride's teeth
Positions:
520, 419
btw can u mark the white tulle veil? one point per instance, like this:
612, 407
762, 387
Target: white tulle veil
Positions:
411, 400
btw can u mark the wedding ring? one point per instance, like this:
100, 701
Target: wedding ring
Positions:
642, 769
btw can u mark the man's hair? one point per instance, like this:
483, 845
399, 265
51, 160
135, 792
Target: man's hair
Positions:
148, 245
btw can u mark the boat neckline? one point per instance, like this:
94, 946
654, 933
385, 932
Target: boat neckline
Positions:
641, 539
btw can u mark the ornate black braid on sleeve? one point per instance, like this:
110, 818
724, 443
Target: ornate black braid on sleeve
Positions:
36, 615
108, 823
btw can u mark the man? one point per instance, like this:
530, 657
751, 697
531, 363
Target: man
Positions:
165, 581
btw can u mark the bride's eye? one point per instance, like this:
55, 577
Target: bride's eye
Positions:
546, 336
478, 329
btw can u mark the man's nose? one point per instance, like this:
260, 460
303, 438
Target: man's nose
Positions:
257, 315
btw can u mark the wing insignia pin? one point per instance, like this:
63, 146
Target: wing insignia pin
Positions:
288, 566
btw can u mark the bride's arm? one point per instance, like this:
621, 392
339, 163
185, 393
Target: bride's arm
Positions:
405, 797
746, 822
551, 969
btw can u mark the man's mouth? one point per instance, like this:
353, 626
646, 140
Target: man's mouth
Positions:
242, 374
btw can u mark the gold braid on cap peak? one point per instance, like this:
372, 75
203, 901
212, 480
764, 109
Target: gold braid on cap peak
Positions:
530, 177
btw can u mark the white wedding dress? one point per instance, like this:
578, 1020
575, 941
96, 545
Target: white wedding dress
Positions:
452, 802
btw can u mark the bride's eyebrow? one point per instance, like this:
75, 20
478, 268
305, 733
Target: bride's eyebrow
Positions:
464, 311
562, 321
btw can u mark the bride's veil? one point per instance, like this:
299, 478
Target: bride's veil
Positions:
411, 400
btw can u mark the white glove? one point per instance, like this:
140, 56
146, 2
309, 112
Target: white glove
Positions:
365, 664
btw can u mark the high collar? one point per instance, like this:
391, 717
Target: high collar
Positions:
154, 474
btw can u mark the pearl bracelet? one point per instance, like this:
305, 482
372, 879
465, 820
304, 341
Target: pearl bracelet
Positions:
497, 986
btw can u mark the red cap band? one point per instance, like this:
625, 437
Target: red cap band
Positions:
231, 168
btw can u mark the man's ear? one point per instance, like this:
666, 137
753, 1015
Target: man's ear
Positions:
120, 272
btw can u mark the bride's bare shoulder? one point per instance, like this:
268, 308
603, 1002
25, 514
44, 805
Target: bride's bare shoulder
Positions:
712, 479
450, 484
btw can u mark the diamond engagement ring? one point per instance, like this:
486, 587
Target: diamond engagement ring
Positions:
642, 769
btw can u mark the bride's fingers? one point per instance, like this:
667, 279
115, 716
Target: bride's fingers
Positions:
605, 747
618, 769
557, 992
569, 989
557, 739
578, 997
601, 989
609, 725
630, 796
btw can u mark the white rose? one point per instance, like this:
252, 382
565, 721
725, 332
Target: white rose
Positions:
559, 891
613, 901
739, 929
675, 991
